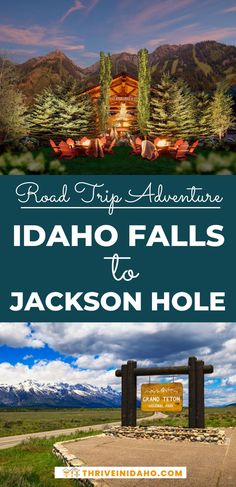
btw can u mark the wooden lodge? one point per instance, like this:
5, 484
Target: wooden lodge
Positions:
123, 102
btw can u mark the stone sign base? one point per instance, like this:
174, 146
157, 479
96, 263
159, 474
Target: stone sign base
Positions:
170, 433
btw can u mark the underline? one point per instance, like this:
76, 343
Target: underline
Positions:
120, 208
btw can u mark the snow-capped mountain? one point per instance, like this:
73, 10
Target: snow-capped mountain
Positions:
34, 394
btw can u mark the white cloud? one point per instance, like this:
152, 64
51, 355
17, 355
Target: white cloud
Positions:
56, 371
99, 348
27, 357
105, 361
77, 5
230, 9
38, 35
19, 335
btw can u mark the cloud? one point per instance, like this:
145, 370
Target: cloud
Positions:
150, 18
93, 4
55, 371
97, 349
38, 36
104, 361
157, 10
77, 5
16, 51
153, 43
230, 9
18, 336
28, 357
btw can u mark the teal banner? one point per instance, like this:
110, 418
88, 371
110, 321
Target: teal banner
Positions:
119, 248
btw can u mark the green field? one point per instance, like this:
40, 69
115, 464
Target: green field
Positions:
21, 421
32, 464
215, 418
119, 162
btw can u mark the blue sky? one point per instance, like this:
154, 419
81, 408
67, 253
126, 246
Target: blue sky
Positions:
86, 353
81, 28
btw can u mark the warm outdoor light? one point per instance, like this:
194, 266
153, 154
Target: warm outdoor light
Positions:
162, 143
86, 143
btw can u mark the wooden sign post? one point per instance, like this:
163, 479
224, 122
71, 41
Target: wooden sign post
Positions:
195, 370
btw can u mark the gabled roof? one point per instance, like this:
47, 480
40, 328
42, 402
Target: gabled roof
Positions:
121, 75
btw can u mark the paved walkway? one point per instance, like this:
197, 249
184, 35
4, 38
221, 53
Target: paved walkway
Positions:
208, 465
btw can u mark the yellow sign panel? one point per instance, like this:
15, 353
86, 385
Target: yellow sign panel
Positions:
162, 397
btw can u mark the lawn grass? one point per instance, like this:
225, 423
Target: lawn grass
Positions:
22, 421
32, 464
120, 162
215, 418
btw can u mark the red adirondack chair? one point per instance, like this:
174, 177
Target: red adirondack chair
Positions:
66, 151
70, 142
108, 149
95, 148
182, 151
103, 140
178, 143
136, 146
156, 140
193, 147
135, 151
56, 149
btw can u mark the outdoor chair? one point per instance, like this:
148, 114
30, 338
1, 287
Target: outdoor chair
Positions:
192, 148
95, 149
134, 151
71, 143
177, 144
103, 141
138, 141
181, 152
136, 146
56, 149
156, 140
108, 149
66, 151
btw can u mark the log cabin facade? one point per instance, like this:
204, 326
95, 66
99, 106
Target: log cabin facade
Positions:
123, 102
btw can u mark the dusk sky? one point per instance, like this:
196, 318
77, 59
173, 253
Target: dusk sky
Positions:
81, 28
86, 353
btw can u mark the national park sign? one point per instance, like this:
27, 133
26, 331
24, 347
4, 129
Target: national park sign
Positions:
162, 397
195, 370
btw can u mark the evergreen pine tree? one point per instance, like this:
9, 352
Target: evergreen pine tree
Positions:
160, 122
144, 87
203, 115
63, 112
42, 118
172, 109
221, 112
75, 113
12, 108
105, 82
183, 116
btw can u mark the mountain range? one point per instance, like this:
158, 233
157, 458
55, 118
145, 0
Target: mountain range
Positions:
42, 395
202, 65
